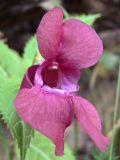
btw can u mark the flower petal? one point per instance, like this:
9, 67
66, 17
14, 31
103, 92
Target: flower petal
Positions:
28, 80
69, 78
49, 32
48, 113
80, 44
89, 119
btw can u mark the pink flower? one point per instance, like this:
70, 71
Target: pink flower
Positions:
47, 99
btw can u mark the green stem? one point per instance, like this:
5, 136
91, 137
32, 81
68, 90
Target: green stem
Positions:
115, 113
75, 138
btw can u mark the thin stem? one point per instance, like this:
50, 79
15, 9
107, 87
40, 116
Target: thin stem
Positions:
75, 138
115, 113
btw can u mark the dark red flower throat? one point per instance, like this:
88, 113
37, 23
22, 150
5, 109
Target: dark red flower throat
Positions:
50, 74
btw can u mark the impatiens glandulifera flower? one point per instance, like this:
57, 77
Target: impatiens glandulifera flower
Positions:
47, 100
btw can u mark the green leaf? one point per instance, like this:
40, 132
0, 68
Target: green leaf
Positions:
21, 131
3, 76
89, 19
109, 60
10, 60
41, 148
31, 53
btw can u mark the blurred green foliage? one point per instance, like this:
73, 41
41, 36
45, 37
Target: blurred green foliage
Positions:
89, 19
109, 60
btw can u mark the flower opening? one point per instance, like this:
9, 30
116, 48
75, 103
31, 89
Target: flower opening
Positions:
50, 75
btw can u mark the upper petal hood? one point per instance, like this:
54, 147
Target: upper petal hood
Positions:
73, 42
80, 45
34, 106
49, 33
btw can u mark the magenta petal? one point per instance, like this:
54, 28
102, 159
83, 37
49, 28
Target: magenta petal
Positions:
69, 78
80, 44
49, 32
89, 119
28, 80
34, 107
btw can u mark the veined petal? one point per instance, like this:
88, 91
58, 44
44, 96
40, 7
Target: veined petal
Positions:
49, 32
89, 119
34, 107
80, 45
